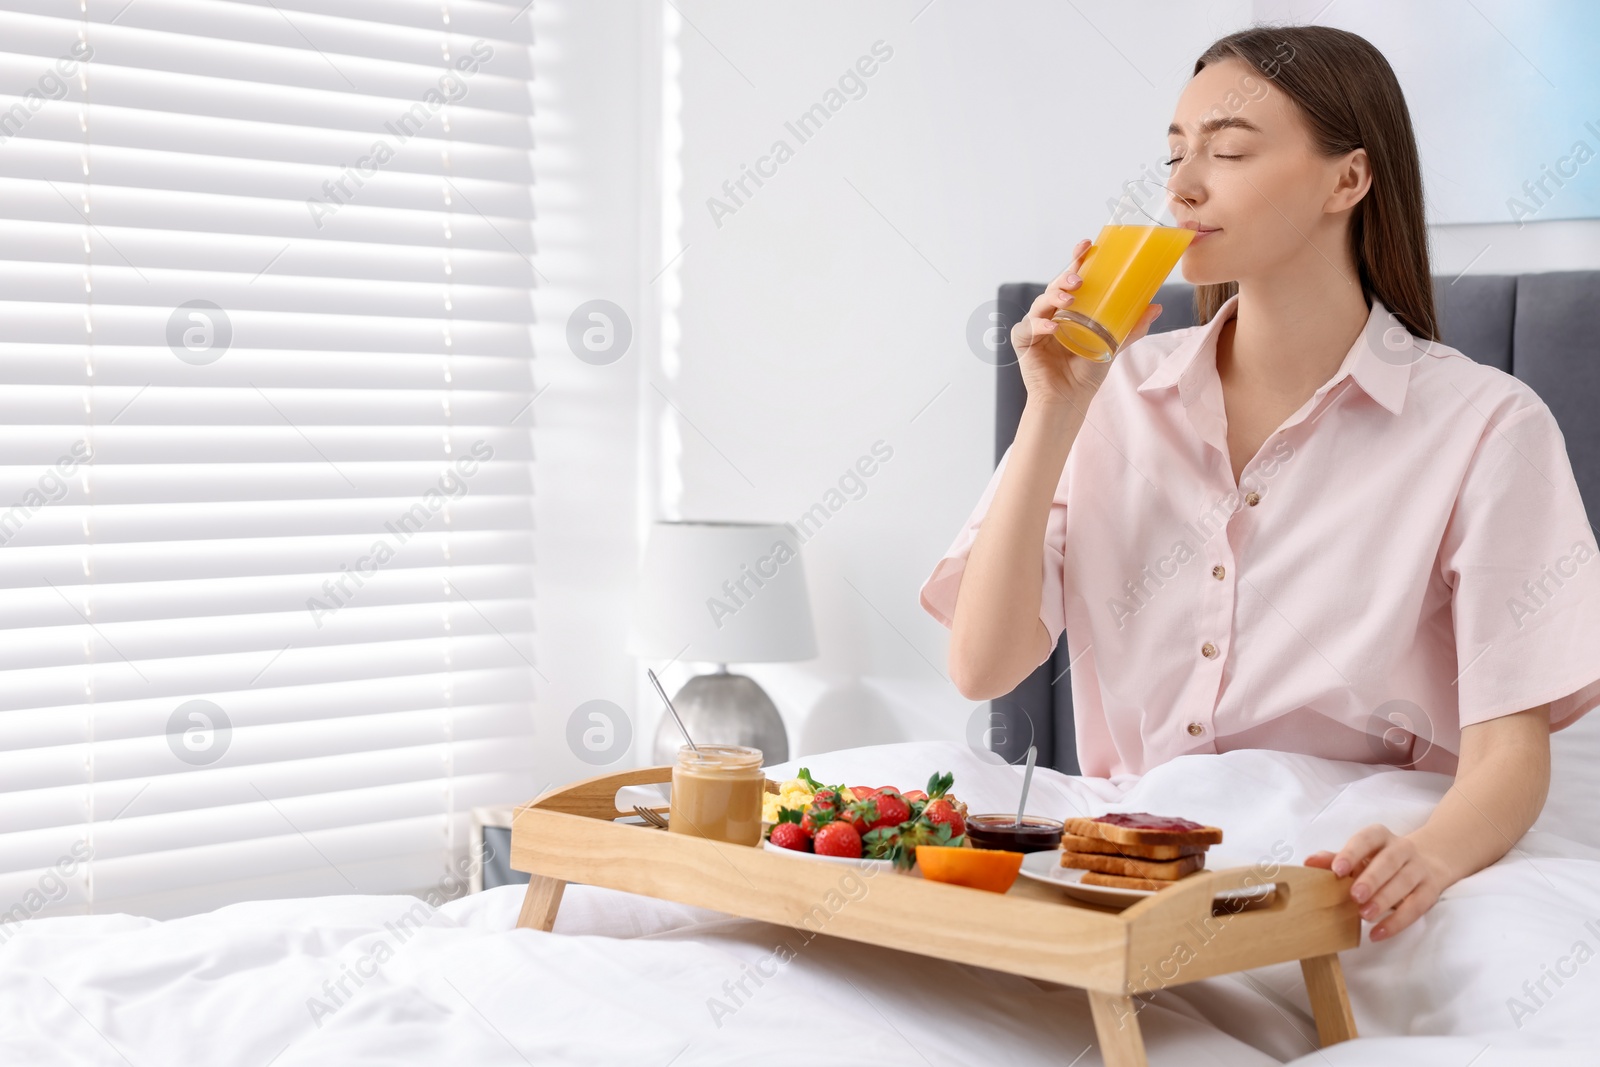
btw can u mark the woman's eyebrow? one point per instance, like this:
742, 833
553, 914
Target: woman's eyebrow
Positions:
1213, 125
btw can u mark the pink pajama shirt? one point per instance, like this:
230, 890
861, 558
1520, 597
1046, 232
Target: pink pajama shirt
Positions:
1408, 554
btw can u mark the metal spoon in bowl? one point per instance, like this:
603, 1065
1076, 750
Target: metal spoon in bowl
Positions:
1027, 780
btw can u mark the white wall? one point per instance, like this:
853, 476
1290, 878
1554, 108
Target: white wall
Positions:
830, 309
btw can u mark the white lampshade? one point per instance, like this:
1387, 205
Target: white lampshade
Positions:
732, 592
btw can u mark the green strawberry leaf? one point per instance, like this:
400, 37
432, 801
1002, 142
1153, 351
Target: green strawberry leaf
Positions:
793, 815
881, 843
811, 783
821, 817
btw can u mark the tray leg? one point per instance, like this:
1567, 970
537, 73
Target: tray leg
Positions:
1330, 1001
541, 903
1116, 1023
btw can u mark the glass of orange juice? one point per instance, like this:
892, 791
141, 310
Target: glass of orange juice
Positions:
1123, 268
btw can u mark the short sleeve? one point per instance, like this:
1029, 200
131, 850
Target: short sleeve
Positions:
939, 591
1520, 557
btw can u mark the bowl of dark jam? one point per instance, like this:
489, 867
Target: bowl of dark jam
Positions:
1035, 834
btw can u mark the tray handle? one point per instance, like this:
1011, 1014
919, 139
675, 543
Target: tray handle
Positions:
596, 798
1193, 897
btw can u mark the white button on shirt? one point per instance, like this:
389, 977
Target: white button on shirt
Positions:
1406, 555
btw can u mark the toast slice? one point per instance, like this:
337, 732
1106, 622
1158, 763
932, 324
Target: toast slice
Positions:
1164, 870
1122, 882
1074, 843
1142, 828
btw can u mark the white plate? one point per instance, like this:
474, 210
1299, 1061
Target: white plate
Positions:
1046, 867
858, 863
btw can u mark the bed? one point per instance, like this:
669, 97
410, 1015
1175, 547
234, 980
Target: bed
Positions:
631, 981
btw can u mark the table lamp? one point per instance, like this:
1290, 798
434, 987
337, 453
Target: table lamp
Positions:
722, 592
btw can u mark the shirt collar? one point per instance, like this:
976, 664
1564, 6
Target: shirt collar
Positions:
1380, 365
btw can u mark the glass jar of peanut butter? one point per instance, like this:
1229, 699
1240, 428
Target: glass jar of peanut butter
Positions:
717, 793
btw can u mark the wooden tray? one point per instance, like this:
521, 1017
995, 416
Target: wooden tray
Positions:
1178, 935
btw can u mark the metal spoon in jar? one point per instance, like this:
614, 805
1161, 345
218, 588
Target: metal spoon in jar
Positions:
668, 701
681, 728
1027, 780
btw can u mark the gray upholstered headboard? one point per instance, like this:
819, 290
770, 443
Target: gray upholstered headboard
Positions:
1544, 328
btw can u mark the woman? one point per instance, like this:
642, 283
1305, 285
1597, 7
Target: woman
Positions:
1305, 524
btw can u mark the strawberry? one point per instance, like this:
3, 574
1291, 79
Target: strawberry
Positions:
816, 817
824, 807
944, 808
941, 812
790, 835
892, 810
860, 813
862, 792
914, 795
838, 839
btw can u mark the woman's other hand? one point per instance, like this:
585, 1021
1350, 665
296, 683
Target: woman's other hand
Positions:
1392, 871
1051, 373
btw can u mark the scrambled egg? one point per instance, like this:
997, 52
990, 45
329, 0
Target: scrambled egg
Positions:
791, 794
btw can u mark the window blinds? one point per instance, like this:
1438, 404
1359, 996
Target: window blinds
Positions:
265, 464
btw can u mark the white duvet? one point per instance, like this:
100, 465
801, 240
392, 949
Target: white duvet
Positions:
1501, 971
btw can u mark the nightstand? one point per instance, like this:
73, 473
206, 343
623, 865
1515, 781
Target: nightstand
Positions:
489, 848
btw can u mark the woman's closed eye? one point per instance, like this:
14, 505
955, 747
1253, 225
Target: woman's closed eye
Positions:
1179, 159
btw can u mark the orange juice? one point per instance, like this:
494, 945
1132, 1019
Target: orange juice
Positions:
1121, 272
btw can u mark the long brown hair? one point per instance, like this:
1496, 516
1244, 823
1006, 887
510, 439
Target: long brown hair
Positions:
1350, 99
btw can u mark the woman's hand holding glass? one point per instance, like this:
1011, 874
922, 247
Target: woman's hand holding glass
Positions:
1051, 374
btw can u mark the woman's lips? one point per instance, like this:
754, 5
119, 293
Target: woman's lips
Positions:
1201, 234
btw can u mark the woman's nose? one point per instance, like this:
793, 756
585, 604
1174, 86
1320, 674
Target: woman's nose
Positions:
1187, 198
